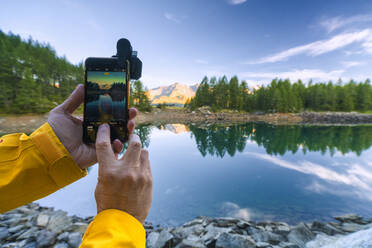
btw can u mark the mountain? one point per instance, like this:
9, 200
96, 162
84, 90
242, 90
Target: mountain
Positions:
173, 94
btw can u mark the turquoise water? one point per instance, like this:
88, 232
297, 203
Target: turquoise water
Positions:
253, 171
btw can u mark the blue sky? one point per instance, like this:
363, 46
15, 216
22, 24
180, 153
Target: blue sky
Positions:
183, 40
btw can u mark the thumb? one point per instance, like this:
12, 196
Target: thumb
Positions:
103, 145
73, 101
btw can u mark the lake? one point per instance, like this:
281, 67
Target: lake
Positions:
253, 171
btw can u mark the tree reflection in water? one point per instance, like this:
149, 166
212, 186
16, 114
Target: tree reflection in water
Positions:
277, 140
219, 140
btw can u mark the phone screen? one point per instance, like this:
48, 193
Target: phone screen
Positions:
105, 102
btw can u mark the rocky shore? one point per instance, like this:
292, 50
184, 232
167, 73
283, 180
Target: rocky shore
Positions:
33, 226
204, 115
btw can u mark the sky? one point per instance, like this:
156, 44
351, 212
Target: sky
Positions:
184, 40
106, 77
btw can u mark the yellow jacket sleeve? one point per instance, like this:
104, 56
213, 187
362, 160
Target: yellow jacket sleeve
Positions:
114, 228
34, 166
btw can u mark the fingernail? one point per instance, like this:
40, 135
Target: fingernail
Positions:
103, 126
134, 138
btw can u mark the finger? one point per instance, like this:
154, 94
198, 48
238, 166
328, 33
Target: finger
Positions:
105, 154
73, 101
144, 159
132, 113
131, 125
133, 153
117, 146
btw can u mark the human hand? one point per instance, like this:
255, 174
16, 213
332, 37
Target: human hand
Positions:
69, 129
126, 183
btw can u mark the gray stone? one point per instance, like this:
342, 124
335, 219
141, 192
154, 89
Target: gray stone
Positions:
288, 245
262, 245
3, 233
61, 245
234, 241
79, 227
27, 234
325, 228
14, 236
25, 210
212, 233
243, 224
185, 232
16, 229
164, 239
349, 218
58, 222
151, 239
74, 239
300, 234
196, 221
63, 237
19, 221
42, 220
187, 243
225, 222
282, 228
45, 239
268, 237
31, 244
13, 216
351, 227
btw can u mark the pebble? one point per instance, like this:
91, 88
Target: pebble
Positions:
74, 239
33, 226
46, 239
42, 220
61, 245
3, 233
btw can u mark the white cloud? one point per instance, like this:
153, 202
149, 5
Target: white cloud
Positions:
339, 22
368, 46
305, 74
172, 17
201, 61
233, 210
348, 53
349, 64
236, 2
322, 46
356, 177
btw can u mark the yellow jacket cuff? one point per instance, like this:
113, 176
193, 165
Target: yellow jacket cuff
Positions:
114, 228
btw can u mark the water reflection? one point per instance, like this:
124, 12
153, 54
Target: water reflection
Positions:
218, 140
250, 171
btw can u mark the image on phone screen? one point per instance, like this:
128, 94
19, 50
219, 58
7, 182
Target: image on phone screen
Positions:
105, 101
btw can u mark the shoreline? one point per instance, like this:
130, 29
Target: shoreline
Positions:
36, 226
204, 115
28, 123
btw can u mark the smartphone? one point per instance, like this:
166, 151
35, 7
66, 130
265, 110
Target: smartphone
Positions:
106, 98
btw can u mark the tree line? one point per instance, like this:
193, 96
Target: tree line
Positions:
282, 96
33, 79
